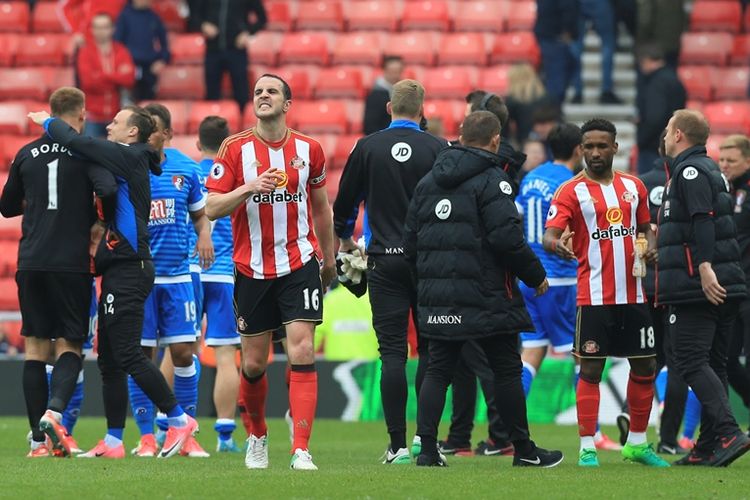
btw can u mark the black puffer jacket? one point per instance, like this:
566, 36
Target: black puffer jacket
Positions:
464, 238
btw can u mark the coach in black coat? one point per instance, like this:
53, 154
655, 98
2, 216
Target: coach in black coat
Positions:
464, 239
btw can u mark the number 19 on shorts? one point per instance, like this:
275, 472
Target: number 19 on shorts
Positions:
647, 338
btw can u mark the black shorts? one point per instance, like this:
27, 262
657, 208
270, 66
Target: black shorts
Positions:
623, 331
54, 304
265, 305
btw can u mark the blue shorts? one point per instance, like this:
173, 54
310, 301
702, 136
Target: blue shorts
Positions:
198, 294
170, 315
88, 344
219, 306
554, 317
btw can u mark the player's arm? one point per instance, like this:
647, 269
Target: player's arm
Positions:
350, 194
204, 247
557, 238
323, 224
12, 200
220, 205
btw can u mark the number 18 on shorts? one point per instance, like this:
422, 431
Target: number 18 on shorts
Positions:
623, 331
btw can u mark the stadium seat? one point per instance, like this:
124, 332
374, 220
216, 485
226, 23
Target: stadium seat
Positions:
698, 81
320, 15
181, 82
60, 77
450, 82
741, 50
319, 117
8, 48
179, 111
355, 111
8, 254
705, 48
226, 109
520, 16
169, 11
728, 117
10, 147
482, 15
42, 50
723, 16
248, 117
358, 48
446, 112
8, 295
696, 105
344, 146
415, 47
13, 118
304, 48
712, 145
333, 178
731, 83
46, 19
463, 48
426, 15
264, 48
187, 145
300, 77
339, 82
24, 83
10, 229
279, 16
188, 48
515, 47
494, 79
371, 15
14, 17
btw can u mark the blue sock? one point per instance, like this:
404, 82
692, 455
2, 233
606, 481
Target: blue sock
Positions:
49, 368
692, 415
186, 388
162, 421
116, 433
198, 367
73, 410
143, 408
225, 427
661, 384
527, 377
177, 417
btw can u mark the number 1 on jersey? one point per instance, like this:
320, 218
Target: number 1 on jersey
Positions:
52, 184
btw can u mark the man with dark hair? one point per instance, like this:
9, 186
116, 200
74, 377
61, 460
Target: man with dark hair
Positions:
376, 116
481, 100
123, 258
697, 230
604, 210
466, 289
52, 189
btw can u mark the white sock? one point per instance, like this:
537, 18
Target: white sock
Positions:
636, 438
57, 415
36, 444
112, 441
180, 421
587, 443
598, 436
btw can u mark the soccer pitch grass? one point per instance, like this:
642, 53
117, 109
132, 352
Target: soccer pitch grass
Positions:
347, 455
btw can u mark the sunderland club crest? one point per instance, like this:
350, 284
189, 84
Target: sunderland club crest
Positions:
297, 163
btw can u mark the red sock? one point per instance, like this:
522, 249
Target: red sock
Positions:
254, 396
246, 423
640, 399
587, 404
288, 375
303, 398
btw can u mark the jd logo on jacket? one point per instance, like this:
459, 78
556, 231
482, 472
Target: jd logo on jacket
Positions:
443, 209
401, 152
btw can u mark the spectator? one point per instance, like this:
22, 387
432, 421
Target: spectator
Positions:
525, 94
227, 28
76, 15
536, 154
105, 69
435, 127
662, 22
556, 28
602, 16
142, 31
660, 93
543, 119
376, 116
6, 347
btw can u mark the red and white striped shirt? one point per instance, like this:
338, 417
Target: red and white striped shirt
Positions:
605, 220
272, 233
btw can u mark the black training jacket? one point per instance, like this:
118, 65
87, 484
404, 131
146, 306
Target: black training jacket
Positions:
740, 191
654, 180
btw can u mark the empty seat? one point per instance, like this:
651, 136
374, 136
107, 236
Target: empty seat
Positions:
415, 47
716, 16
450, 82
515, 47
179, 111
226, 109
10, 147
320, 15
8, 295
355, 112
319, 117
698, 81
741, 50
520, 16
426, 15
300, 78
264, 48
494, 79
728, 117
482, 15
344, 147
463, 48
169, 11
706, 48
333, 178
339, 82
14, 17
42, 50
445, 111
188, 48
8, 48
304, 48
8, 252
13, 118
24, 83
358, 48
45, 18
371, 15
731, 83
61, 77
181, 82
279, 16
187, 144
712, 145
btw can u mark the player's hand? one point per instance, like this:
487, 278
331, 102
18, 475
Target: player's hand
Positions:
328, 273
714, 292
210, 30
242, 40
651, 256
542, 289
204, 248
347, 245
157, 67
38, 117
562, 249
265, 182
97, 233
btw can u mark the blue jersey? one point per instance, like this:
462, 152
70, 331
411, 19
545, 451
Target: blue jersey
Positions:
221, 235
533, 201
195, 265
174, 193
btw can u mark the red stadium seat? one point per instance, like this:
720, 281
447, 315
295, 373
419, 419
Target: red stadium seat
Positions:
706, 48
494, 79
698, 81
415, 47
8, 295
515, 47
696, 105
447, 112
728, 117
24, 83
187, 144
355, 112
42, 50
481, 15
169, 12
426, 15
731, 83
725, 16
61, 77
520, 16
264, 48
358, 48
45, 18
339, 82
226, 109
13, 118
371, 15
741, 50
179, 111
328, 143
450, 82
188, 48
14, 17
344, 147
320, 15
279, 16
304, 48
181, 82
712, 145
319, 117
463, 48
333, 178
8, 253
10, 147
248, 117
300, 77
8, 48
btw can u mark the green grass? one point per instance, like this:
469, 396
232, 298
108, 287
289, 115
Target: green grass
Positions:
347, 455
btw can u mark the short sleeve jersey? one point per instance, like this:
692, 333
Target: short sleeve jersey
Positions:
604, 219
273, 233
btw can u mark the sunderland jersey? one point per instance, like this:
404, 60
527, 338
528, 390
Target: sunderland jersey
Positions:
604, 219
273, 233
174, 193
533, 201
